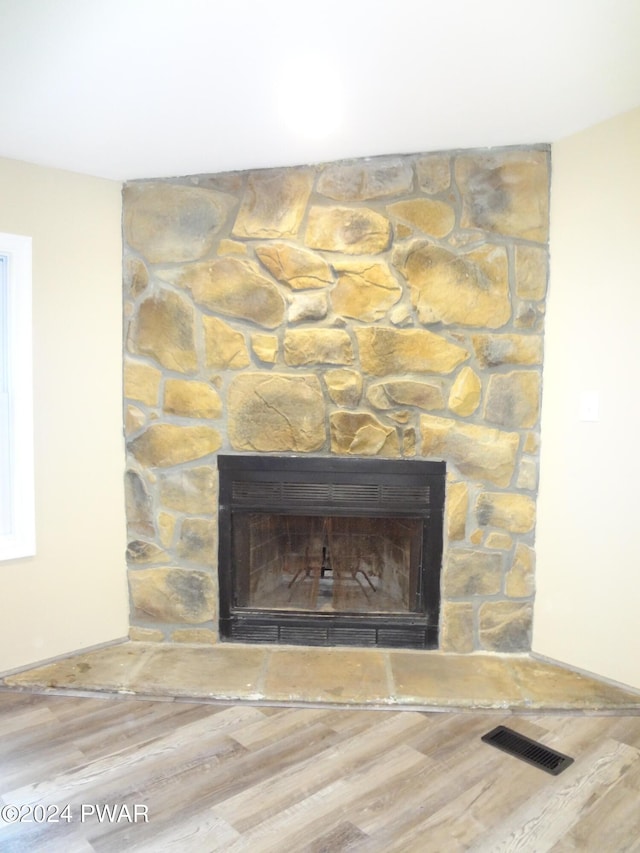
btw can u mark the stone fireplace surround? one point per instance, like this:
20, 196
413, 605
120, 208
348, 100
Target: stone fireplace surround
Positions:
390, 307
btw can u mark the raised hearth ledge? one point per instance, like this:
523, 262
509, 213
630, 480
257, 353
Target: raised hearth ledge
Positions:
375, 678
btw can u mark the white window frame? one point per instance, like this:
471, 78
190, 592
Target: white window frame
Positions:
17, 505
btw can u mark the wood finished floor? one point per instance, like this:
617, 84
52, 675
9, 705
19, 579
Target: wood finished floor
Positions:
213, 777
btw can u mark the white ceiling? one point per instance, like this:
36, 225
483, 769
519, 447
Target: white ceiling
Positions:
129, 89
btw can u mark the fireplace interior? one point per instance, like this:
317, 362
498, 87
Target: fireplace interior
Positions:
330, 551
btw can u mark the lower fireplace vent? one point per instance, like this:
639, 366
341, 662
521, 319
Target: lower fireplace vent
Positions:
255, 633
528, 750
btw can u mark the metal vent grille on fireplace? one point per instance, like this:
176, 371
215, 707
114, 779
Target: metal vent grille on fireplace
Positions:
372, 494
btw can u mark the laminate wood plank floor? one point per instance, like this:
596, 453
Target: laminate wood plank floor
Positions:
80, 774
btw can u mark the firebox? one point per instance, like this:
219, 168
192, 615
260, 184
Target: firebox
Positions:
330, 551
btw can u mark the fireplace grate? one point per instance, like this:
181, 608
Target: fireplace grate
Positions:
527, 750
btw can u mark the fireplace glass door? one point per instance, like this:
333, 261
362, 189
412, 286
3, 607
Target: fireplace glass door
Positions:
327, 563
334, 551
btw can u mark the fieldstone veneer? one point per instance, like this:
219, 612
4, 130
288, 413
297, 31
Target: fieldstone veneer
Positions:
387, 307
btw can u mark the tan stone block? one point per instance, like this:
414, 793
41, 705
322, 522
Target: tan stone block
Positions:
499, 541
477, 451
472, 572
317, 346
195, 636
139, 506
456, 510
307, 307
532, 270
164, 331
360, 434
386, 350
173, 595
365, 290
145, 635
401, 416
354, 231
531, 442
528, 475
469, 289
231, 247
322, 675
166, 528
405, 392
225, 347
378, 177
505, 192
476, 537
455, 681
172, 224
529, 316
434, 173
297, 268
163, 445
464, 398
495, 350
520, 582
432, 217
139, 552
513, 399
197, 541
224, 182
505, 626
134, 419
136, 277
274, 203
344, 387
400, 315
409, 442
456, 635
232, 672
466, 240
191, 490
232, 287
141, 382
265, 347
276, 412
191, 399
513, 512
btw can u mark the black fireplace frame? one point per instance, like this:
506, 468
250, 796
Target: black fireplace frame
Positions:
337, 486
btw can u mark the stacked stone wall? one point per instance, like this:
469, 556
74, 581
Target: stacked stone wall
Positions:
388, 307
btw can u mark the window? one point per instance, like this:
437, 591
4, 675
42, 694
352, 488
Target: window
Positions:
17, 527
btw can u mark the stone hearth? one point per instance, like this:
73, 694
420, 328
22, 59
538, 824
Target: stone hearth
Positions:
372, 678
390, 307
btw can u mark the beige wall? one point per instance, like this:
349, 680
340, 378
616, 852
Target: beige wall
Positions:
72, 594
587, 609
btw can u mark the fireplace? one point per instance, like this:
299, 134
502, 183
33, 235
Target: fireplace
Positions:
382, 309
321, 551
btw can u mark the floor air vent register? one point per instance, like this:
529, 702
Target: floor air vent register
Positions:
528, 750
